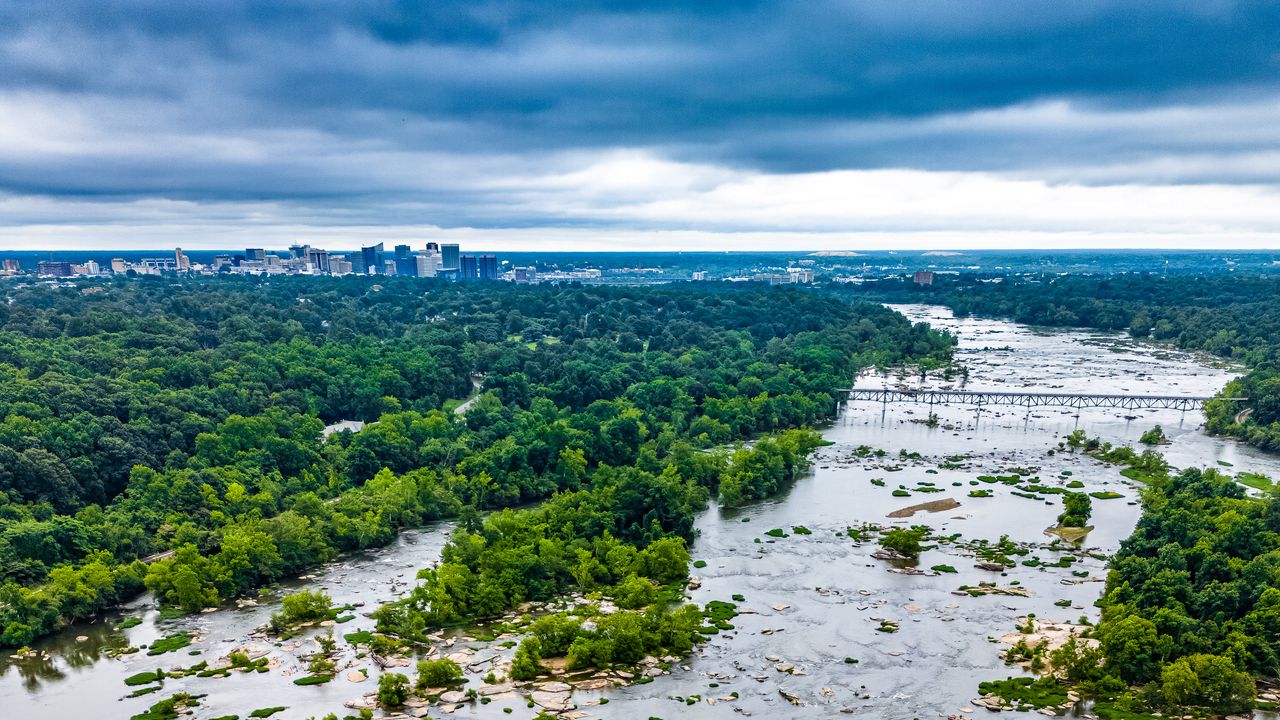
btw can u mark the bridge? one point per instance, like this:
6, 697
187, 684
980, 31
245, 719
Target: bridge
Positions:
1030, 399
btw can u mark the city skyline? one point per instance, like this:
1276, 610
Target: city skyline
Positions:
707, 126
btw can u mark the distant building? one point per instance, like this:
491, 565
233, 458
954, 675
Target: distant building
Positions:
181, 260
255, 254
372, 259
488, 267
406, 263
800, 275
318, 260
219, 262
428, 261
775, 278
56, 269
923, 277
468, 267
118, 265
89, 267
525, 276
699, 275
449, 257
11, 266
339, 265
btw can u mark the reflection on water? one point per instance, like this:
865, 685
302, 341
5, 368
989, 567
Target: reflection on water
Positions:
811, 601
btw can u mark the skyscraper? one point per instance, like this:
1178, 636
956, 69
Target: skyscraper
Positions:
255, 254
318, 259
406, 263
372, 259
468, 269
182, 261
488, 267
449, 257
428, 263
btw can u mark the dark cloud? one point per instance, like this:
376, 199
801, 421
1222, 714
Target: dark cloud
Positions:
341, 102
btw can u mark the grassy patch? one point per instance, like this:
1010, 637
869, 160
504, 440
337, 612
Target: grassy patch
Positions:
143, 678
943, 569
268, 711
313, 680
1025, 693
169, 644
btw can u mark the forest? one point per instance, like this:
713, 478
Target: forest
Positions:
170, 435
1228, 315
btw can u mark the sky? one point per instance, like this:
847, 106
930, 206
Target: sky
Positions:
659, 125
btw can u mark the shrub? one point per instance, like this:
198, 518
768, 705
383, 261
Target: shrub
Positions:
438, 673
393, 690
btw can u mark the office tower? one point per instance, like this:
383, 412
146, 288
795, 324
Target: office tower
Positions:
526, 276
339, 265
255, 254
406, 263
57, 269
428, 263
449, 257
299, 252
433, 248
468, 268
11, 266
372, 259
488, 267
219, 262
181, 260
118, 265
318, 259
91, 267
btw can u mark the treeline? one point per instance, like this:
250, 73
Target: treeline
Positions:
624, 536
1232, 316
1192, 603
219, 389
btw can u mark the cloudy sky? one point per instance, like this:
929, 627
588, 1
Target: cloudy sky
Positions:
508, 124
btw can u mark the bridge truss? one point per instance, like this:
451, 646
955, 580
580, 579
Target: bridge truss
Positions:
1029, 399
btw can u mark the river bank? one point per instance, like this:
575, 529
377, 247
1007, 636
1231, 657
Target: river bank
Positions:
814, 596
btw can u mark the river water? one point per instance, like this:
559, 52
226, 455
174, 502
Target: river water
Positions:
810, 600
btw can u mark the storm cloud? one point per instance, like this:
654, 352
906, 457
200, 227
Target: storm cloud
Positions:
718, 123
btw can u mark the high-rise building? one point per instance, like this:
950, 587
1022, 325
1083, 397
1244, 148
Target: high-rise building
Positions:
525, 276
299, 252
428, 263
11, 266
118, 265
339, 265
468, 268
372, 259
923, 277
180, 258
318, 259
406, 263
56, 269
488, 267
449, 257
255, 254
433, 248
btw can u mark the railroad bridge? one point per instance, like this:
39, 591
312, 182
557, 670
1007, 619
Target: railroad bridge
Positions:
1030, 399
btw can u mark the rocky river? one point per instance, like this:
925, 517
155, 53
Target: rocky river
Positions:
825, 627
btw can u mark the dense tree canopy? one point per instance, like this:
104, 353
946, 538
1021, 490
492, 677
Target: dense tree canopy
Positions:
185, 417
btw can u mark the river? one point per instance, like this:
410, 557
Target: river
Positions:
811, 600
